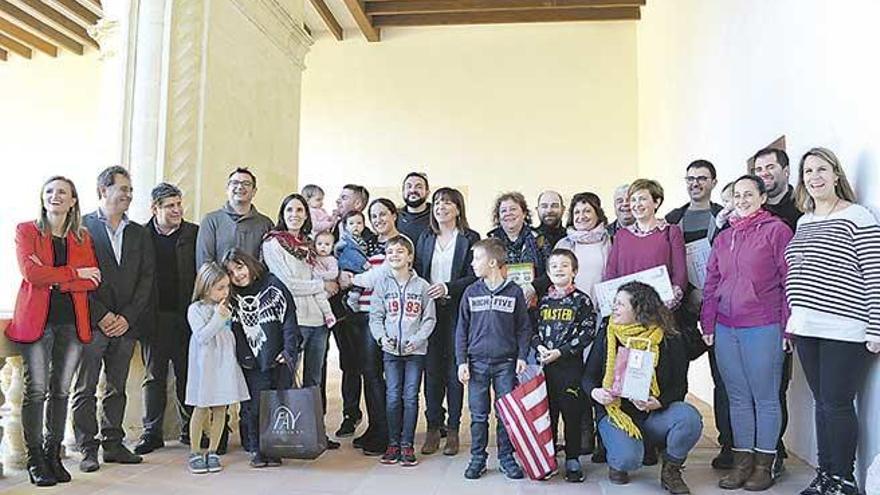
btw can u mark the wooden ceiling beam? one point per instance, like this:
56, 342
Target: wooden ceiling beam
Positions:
88, 17
509, 16
15, 46
41, 27
95, 3
397, 7
3, 55
356, 7
23, 36
327, 15
62, 20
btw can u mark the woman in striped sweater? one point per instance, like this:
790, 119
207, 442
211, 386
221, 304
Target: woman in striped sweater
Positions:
833, 288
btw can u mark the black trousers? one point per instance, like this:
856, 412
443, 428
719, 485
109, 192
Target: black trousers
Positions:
568, 399
168, 345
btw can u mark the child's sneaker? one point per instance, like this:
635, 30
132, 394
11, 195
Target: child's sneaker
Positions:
391, 456
573, 472
197, 464
213, 461
510, 468
476, 468
408, 457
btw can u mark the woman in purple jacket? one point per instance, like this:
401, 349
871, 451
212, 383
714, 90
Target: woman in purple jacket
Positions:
744, 313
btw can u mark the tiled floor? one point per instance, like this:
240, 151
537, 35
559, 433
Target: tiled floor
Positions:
347, 471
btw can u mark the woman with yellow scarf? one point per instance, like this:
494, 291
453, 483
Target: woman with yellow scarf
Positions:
664, 420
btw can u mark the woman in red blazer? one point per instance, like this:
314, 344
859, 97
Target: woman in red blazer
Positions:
51, 320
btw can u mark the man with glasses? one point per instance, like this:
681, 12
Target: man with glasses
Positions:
697, 220
237, 224
622, 211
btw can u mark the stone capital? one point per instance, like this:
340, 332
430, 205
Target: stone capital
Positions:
280, 26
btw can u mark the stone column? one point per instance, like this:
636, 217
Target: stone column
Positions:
11, 440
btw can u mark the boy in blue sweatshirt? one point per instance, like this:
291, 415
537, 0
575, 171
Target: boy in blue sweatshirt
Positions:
491, 344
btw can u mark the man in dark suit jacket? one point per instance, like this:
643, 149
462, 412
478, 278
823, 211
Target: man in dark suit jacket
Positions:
119, 310
174, 243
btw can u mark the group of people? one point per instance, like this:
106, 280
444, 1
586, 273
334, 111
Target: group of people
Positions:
238, 303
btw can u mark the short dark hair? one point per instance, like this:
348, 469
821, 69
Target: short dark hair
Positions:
652, 186
494, 249
703, 164
240, 257
401, 240
352, 213
591, 199
420, 175
563, 252
243, 170
755, 179
107, 177
360, 191
387, 203
780, 155
281, 225
163, 191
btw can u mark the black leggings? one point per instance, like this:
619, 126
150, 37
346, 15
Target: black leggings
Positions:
835, 371
566, 397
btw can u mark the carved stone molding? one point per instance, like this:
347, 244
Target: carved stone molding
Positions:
107, 33
183, 128
280, 26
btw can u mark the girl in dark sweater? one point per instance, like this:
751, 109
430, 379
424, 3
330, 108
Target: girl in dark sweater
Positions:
664, 420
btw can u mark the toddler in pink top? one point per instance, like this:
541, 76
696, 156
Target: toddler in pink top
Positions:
321, 220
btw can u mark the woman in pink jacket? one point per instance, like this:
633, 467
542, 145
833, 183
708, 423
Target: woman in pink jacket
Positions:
744, 313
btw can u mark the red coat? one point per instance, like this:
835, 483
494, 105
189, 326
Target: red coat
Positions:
32, 304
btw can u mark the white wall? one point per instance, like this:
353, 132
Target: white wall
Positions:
486, 108
719, 80
49, 126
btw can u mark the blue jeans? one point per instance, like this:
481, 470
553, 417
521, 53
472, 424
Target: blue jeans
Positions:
278, 378
677, 428
750, 362
441, 373
501, 377
403, 375
49, 366
314, 351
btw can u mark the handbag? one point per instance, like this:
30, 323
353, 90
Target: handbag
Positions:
633, 370
292, 423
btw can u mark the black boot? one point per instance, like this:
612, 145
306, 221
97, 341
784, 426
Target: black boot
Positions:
38, 471
53, 460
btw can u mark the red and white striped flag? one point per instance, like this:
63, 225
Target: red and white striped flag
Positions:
525, 412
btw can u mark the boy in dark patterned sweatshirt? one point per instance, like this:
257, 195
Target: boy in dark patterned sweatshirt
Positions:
566, 325
491, 344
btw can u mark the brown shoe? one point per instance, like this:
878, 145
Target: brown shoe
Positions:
618, 477
762, 476
743, 465
432, 442
452, 443
670, 477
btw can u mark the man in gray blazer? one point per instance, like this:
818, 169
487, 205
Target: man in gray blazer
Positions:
119, 309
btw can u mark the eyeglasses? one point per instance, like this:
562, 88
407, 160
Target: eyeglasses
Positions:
243, 183
702, 179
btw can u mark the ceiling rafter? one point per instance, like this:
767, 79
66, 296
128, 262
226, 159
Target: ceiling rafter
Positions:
15, 46
26, 37
40, 27
509, 16
62, 20
3, 55
391, 7
327, 15
356, 7
84, 14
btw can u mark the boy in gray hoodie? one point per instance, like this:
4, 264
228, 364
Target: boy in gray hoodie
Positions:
402, 317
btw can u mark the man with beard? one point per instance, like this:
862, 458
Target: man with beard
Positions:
550, 210
697, 221
415, 217
771, 165
621, 209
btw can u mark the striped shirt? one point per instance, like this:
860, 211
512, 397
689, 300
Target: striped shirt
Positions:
833, 283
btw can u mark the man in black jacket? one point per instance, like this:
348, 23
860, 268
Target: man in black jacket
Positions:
120, 309
174, 242
414, 217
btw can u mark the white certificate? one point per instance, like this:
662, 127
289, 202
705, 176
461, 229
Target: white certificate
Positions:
657, 277
698, 261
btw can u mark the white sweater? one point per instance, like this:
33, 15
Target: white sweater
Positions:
307, 289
